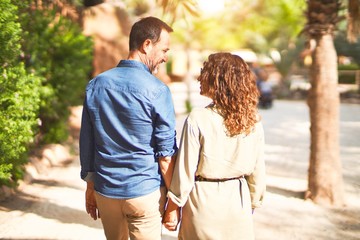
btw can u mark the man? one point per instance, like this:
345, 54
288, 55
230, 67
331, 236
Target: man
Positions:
127, 138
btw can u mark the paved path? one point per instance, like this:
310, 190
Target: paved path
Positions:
52, 207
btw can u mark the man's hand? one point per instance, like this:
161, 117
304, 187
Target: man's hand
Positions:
171, 217
90, 201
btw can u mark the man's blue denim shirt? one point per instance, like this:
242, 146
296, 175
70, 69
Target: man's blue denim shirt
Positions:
128, 121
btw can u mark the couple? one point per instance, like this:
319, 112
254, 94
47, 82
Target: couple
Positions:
132, 165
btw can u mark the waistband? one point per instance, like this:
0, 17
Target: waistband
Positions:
202, 179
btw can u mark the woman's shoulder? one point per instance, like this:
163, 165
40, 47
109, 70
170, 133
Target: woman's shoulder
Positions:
199, 112
258, 128
203, 117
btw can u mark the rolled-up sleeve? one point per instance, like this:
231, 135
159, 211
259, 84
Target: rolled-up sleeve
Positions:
164, 129
86, 144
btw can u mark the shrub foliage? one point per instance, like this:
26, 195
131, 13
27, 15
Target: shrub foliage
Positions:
19, 99
45, 63
56, 50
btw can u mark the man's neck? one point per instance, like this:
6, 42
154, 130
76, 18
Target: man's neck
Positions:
138, 56
135, 55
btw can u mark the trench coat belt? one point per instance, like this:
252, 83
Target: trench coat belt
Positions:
202, 179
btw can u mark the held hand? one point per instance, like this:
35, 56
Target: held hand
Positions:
171, 217
91, 206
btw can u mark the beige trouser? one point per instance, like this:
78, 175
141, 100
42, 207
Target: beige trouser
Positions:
135, 218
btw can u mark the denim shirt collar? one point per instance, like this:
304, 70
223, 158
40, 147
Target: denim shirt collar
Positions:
133, 64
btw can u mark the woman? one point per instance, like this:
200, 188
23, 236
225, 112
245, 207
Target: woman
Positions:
219, 176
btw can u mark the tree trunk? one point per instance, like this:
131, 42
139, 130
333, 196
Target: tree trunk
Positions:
325, 184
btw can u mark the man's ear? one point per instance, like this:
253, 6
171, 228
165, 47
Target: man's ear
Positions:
147, 46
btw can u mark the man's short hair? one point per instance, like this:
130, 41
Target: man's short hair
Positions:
146, 28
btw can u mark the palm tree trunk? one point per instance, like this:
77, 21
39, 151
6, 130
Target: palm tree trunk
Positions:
353, 30
325, 184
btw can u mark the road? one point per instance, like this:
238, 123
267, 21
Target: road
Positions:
52, 206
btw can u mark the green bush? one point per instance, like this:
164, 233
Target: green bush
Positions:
349, 67
346, 78
44, 66
9, 34
19, 99
19, 104
56, 50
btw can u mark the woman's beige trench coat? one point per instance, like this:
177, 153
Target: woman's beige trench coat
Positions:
217, 210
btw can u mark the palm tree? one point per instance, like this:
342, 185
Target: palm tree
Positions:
354, 20
325, 182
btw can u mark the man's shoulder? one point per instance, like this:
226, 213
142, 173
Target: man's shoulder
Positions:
105, 74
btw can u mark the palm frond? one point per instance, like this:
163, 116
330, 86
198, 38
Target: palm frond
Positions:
322, 17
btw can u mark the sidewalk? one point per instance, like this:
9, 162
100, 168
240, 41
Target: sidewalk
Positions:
52, 207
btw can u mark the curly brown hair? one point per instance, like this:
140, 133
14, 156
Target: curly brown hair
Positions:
230, 83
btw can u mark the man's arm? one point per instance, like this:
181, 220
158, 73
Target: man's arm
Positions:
90, 201
171, 217
167, 165
86, 145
